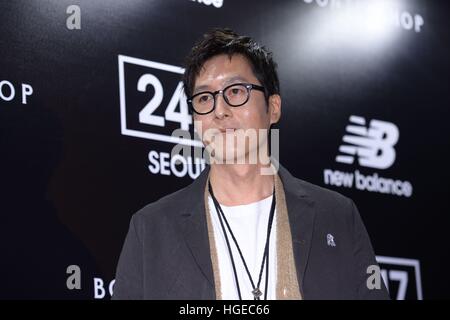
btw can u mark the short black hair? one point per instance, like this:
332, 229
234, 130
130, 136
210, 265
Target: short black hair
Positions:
226, 41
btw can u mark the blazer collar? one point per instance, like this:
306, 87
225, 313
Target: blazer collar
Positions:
301, 212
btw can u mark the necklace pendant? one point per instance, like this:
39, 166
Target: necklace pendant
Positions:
256, 293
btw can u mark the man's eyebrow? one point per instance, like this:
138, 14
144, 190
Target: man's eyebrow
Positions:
200, 88
228, 81
235, 78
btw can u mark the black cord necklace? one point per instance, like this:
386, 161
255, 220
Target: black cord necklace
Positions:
265, 261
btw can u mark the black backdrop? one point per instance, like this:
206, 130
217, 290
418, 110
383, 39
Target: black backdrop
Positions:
76, 161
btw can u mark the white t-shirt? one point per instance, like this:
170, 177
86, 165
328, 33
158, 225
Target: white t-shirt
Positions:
249, 225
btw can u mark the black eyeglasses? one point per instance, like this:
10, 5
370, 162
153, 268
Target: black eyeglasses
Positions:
235, 95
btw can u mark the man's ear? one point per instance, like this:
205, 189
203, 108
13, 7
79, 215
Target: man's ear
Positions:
274, 108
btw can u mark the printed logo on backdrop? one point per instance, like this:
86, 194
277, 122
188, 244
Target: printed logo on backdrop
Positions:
370, 145
377, 14
402, 277
213, 3
15, 93
153, 106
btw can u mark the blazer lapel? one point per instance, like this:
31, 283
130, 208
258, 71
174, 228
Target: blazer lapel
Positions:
301, 212
195, 230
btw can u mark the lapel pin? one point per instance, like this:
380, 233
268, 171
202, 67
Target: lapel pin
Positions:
330, 240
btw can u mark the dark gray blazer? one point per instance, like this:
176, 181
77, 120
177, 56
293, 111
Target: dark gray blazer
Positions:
166, 252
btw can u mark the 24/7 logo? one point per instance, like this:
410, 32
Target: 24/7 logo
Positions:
153, 106
402, 277
373, 146
152, 101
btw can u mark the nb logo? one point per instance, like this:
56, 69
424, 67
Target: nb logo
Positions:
373, 145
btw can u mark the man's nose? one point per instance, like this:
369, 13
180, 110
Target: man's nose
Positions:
222, 109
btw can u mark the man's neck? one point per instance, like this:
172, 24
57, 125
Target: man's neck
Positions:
239, 184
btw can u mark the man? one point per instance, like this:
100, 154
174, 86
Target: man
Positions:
245, 228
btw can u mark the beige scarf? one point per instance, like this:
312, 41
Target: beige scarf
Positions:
287, 287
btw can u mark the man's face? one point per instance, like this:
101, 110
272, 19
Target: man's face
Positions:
217, 73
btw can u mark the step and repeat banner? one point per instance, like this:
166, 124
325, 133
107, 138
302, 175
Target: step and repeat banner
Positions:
90, 95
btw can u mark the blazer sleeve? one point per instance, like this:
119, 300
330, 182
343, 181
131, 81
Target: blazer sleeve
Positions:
363, 258
129, 273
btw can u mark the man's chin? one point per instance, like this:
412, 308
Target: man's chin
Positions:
232, 156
